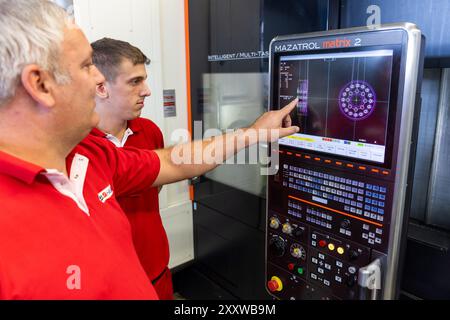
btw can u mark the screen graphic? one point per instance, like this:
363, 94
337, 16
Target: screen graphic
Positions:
343, 104
357, 100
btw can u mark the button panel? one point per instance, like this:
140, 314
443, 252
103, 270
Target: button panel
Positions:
352, 197
341, 218
339, 204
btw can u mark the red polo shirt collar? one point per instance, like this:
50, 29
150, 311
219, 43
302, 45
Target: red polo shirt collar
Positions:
98, 133
17, 168
133, 125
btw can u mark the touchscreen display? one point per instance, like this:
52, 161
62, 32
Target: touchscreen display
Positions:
343, 105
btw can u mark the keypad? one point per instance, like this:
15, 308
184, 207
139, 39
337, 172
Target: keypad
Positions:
355, 197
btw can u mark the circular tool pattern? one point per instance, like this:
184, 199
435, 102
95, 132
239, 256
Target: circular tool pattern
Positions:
357, 100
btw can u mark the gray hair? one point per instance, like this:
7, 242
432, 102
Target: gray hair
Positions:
31, 33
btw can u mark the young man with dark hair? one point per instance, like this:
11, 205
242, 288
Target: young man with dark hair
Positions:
119, 102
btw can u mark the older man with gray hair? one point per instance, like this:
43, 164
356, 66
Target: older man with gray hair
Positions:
62, 232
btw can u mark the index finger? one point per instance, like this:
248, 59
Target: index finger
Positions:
288, 108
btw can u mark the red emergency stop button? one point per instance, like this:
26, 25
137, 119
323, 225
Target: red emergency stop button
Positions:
272, 285
291, 266
275, 284
322, 243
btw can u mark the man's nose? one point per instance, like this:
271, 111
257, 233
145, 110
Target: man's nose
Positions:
146, 91
99, 77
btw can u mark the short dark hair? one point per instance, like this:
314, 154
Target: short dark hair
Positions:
110, 53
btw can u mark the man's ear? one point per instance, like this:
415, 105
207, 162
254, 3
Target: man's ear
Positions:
38, 83
102, 91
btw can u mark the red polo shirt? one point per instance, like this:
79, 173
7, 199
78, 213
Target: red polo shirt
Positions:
53, 247
142, 209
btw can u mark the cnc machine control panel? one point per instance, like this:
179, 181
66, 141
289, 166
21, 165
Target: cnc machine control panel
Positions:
336, 207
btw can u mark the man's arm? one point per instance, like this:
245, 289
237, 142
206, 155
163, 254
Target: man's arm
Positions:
198, 157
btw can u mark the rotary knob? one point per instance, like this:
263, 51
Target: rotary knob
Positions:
274, 223
277, 246
287, 228
297, 251
345, 224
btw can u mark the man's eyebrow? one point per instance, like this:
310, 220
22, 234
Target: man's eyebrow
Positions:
89, 58
137, 78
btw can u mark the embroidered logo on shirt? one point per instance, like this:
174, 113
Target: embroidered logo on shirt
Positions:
105, 194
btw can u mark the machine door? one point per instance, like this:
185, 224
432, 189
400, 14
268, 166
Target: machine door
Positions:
229, 64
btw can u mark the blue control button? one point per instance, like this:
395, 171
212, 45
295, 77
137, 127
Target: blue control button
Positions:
368, 193
375, 195
383, 189
369, 186
381, 204
380, 211
382, 197
376, 188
